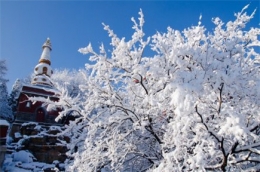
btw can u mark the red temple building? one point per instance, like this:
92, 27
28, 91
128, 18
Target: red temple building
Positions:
41, 86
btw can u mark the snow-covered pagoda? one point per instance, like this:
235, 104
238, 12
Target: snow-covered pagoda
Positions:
40, 87
34, 128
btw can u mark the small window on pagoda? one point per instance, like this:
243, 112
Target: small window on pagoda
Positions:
44, 70
43, 79
35, 79
28, 104
36, 68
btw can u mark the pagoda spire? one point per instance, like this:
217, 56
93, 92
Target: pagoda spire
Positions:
43, 70
45, 57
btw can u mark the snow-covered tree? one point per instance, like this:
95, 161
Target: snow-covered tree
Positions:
14, 95
193, 105
5, 110
216, 98
69, 79
15, 92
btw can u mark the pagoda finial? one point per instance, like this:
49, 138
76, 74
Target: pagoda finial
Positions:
47, 44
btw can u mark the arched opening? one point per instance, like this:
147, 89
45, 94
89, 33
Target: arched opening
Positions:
44, 70
40, 115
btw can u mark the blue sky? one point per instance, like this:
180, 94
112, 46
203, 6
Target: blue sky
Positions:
25, 25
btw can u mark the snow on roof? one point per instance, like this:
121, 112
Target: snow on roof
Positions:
29, 123
4, 122
45, 88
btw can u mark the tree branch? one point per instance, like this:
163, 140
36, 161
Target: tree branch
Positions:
220, 97
164, 85
150, 129
143, 84
202, 121
225, 157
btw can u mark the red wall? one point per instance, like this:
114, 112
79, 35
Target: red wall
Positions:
23, 99
23, 109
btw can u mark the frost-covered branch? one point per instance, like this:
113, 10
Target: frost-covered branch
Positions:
193, 104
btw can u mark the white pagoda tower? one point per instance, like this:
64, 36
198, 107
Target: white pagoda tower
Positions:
43, 70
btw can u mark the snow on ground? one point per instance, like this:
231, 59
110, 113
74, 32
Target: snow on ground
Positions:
22, 161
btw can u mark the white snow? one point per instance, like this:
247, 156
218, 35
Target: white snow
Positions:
23, 156
4, 122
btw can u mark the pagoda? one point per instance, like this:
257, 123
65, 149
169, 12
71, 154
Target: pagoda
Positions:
34, 128
41, 86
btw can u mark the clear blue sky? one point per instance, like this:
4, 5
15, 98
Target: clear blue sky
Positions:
25, 25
